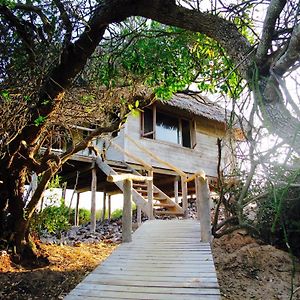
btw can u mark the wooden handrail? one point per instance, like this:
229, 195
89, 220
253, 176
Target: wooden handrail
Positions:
200, 173
172, 167
137, 159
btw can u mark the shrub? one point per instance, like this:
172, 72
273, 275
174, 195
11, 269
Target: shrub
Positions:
278, 218
53, 219
117, 214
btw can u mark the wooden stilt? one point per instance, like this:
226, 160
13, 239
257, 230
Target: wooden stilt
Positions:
109, 207
93, 200
104, 207
76, 217
184, 196
127, 212
64, 192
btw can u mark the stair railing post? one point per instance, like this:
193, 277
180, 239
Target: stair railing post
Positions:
127, 212
139, 215
204, 208
184, 196
150, 195
176, 194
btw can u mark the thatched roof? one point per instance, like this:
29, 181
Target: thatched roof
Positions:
197, 105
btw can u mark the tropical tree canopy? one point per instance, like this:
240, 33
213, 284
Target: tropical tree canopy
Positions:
48, 46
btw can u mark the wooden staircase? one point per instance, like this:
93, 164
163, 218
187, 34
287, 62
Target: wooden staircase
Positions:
162, 204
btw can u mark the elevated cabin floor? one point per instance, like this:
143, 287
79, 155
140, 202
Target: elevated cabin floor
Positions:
163, 178
165, 260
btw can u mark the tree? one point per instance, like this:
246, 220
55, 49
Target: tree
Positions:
46, 45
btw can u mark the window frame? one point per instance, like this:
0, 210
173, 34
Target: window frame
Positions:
192, 128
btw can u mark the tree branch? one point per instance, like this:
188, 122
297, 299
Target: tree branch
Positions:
21, 29
274, 9
66, 21
291, 54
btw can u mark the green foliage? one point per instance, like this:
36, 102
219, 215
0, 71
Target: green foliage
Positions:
166, 58
117, 214
53, 219
55, 182
278, 215
40, 120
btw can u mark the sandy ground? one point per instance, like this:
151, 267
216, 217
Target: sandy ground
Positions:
246, 269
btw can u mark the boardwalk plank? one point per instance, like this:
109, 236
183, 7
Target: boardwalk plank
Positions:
165, 261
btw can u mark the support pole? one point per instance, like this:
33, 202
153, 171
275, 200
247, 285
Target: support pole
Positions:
176, 193
184, 196
204, 209
93, 200
76, 217
127, 212
109, 207
150, 195
104, 207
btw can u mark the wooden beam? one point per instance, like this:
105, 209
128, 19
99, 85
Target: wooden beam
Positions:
93, 200
121, 177
127, 212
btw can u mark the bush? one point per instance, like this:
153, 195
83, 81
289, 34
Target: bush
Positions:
53, 219
117, 214
278, 218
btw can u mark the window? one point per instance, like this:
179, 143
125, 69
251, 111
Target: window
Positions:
164, 127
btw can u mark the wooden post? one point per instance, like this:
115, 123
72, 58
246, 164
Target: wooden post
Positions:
109, 207
76, 217
127, 212
176, 194
64, 192
204, 209
104, 207
184, 196
139, 215
150, 195
198, 196
93, 200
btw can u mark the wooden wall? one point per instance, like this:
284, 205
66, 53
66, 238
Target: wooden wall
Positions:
203, 157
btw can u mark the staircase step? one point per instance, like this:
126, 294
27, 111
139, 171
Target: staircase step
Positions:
160, 199
135, 184
165, 205
121, 170
168, 212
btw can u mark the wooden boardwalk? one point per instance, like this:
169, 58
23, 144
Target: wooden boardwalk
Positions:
164, 261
